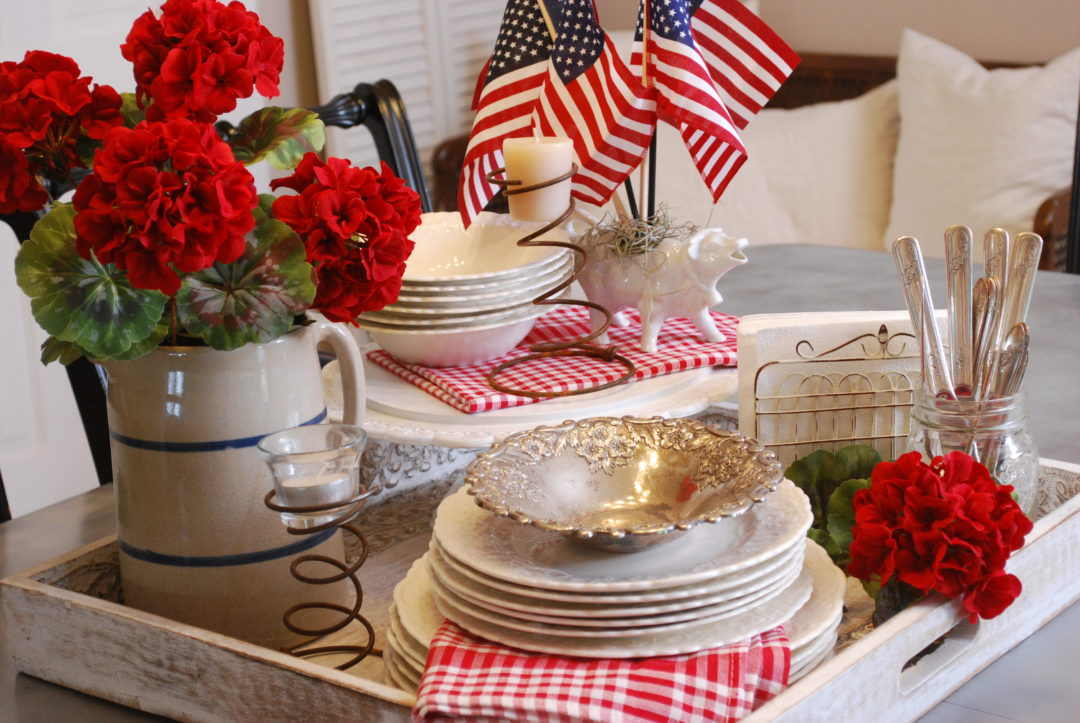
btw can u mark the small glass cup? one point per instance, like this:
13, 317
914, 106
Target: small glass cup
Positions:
315, 466
994, 431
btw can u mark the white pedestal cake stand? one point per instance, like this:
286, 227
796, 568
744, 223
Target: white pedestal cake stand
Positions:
401, 413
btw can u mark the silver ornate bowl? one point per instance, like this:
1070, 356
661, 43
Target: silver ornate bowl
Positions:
623, 484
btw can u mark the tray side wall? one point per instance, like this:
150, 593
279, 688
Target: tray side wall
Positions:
83, 643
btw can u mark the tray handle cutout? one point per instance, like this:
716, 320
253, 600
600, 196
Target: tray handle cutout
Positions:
923, 666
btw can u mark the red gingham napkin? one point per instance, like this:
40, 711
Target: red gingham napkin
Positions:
467, 678
680, 347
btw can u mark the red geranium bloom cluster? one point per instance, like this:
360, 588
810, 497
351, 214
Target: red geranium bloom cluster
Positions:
164, 195
355, 224
946, 527
46, 106
199, 57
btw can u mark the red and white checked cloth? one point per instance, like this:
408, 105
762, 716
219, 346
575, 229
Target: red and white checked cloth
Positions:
467, 678
679, 347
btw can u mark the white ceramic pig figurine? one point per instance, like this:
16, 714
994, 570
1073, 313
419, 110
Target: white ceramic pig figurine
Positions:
676, 279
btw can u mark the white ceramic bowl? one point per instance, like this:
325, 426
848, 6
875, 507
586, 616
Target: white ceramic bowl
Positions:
421, 321
447, 253
438, 348
510, 292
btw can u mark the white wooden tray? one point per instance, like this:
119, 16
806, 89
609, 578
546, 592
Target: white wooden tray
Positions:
65, 625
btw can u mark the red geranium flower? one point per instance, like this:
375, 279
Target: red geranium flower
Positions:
199, 57
164, 197
355, 224
46, 108
941, 527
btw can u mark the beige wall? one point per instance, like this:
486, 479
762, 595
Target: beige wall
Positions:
1007, 30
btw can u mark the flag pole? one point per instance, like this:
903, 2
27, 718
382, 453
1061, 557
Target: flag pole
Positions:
652, 176
647, 194
630, 200
547, 19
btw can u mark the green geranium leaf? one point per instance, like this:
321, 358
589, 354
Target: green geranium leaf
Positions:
280, 135
855, 462
841, 517
65, 352
831, 481
809, 473
147, 345
254, 298
129, 108
90, 304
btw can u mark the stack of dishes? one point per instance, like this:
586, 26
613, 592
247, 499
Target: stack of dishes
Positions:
813, 629
416, 616
466, 295
527, 588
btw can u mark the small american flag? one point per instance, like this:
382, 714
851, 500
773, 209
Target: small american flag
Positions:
506, 97
592, 97
712, 64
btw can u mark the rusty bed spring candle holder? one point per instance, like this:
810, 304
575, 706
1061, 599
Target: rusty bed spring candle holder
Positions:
574, 347
317, 468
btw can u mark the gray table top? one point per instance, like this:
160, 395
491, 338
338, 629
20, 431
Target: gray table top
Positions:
1033, 682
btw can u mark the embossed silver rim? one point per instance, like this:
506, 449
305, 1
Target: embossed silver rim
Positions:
484, 486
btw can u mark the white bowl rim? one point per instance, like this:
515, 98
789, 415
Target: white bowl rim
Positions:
492, 277
482, 221
379, 329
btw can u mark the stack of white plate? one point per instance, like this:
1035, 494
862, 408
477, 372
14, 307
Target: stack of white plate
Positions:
813, 629
404, 655
466, 295
415, 617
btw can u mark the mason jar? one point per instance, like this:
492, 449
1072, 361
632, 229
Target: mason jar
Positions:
993, 431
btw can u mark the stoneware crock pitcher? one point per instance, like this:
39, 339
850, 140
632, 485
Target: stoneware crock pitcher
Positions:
196, 542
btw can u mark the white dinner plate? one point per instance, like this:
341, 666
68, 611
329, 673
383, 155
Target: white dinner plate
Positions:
611, 627
397, 677
815, 650
826, 603
522, 554
807, 667
685, 640
404, 644
609, 618
415, 604
573, 604
404, 663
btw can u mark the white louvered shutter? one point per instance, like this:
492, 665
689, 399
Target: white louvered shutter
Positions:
432, 50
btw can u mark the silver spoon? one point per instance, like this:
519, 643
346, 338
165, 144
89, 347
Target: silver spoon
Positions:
996, 255
1023, 263
909, 265
958, 243
988, 302
1012, 360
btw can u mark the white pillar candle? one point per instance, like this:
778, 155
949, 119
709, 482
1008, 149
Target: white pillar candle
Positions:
534, 160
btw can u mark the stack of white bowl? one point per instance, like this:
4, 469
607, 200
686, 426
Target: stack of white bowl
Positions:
466, 295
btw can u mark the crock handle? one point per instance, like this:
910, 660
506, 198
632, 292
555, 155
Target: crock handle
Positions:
351, 363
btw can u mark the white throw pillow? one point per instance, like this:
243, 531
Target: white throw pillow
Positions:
817, 174
978, 147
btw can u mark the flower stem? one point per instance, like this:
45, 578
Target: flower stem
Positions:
174, 320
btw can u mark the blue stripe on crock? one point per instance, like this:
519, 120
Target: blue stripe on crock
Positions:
214, 446
244, 558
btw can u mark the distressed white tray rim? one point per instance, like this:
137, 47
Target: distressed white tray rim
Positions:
868, 675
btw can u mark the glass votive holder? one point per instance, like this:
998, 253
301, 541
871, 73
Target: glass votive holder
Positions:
993, 431
316, 466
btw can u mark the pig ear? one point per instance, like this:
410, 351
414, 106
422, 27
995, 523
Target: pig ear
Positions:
693, 246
